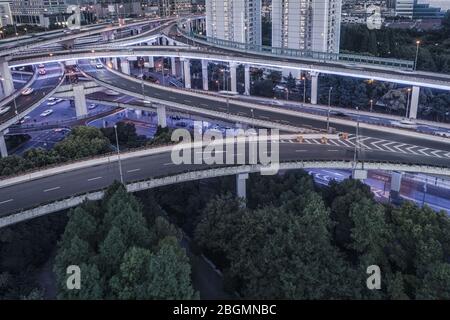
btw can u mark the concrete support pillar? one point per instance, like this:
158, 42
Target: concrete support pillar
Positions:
80, 101
151, 62
233, 66
414, 102
314, 86
247, 80
187, 73
114, 63
8, 85
205, 75
138, 113
173, 66
241, 190
162, 118
3, 149
125, 66
396, 181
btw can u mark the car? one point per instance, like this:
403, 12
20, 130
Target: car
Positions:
42, 72
53, 101
41, 65
99, 66
4, 110
27, 91
92, 106
47, 113
24, 119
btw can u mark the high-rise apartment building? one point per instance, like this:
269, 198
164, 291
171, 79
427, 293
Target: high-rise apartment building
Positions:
306, 24
38, 12
405, 8
5, 13
175, 7
234, 20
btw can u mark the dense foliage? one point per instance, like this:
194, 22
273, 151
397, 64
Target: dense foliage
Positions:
123, 252
295, 243
82, 142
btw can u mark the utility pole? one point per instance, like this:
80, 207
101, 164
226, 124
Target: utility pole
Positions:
118, 154
329, 109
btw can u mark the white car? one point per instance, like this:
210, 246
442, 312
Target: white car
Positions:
99, 66
92, 106
24, 119
4, 110
27, 91
47, 113
54, 101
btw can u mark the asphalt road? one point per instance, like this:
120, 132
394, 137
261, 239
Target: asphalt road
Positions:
42, 85
210, 103
48, 189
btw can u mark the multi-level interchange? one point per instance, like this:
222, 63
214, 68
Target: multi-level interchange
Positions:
305, 41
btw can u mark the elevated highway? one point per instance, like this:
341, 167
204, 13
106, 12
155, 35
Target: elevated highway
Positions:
414, 78
20, 193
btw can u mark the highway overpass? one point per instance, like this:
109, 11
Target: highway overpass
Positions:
153, 167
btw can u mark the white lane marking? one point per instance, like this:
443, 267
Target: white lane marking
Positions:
333, 150
6, 201
410, 149
96, 178
422, 151
301, 150
388, 144
168, 164
399, 146
52, 189
374, 144
333, 142
133, 170
205, 105
434, 153
186, 100
264, 117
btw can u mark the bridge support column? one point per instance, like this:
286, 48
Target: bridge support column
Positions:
80, 101
173, 66
233, 66
414, 102
162, 118
314, 86
247, 80
8, 85
3, 149
187, 73
151, 62
138, 113
241, 186
205, 75
125, 66
396, 181
359, 174
114, 63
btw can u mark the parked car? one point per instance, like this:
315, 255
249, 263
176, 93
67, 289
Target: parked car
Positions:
27, 91
47, 113
4, 110
92, 106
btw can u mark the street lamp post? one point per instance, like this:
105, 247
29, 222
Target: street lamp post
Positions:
407, 103
371, 105
118, 154
304, 89
417, 54
329, 109
253, 118
355, 155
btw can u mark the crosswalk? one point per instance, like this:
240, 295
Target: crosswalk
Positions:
370, 143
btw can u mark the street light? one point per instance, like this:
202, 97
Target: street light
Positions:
417, 54
329, 109
371, 105
355, 157
407, 103
253, 118
118, 154
304, 89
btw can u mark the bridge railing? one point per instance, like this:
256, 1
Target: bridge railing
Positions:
308, 54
